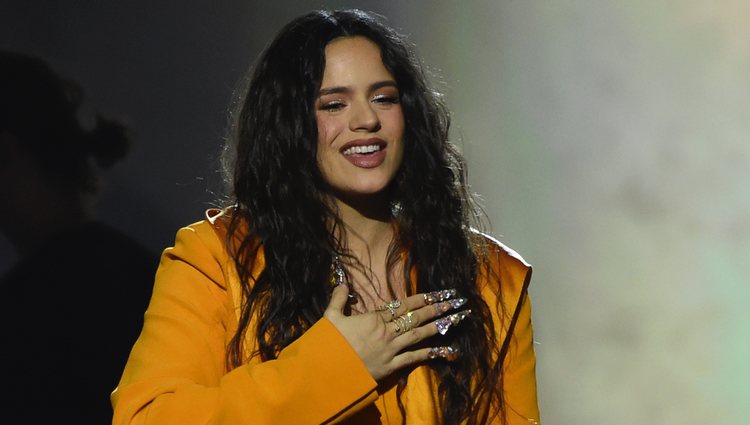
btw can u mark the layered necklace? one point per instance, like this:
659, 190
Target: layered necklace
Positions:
338, 277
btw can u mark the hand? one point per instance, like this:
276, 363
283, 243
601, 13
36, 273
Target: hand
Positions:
382, 338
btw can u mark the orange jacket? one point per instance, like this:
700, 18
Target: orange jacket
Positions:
176, 371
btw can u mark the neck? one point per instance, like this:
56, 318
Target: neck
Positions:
367, 224
367, 234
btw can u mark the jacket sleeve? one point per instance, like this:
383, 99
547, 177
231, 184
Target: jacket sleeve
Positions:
176, 370
514, 327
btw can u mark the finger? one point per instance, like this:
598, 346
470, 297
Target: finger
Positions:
448, 352
389, 310
395, 308
408, 358
406, 337
432, 311
443, 324
339, 297
429, 312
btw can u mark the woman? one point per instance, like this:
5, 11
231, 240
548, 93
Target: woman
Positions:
345, 284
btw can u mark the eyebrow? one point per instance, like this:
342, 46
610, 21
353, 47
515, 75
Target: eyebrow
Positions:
347, 89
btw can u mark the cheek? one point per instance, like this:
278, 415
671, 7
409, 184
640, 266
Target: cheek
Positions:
326, 135
398, 130
327, 130
396, 120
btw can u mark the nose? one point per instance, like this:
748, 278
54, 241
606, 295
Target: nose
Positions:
364, 118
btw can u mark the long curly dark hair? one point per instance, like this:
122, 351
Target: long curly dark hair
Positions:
278, 193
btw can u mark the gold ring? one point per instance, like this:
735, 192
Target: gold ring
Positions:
404, 322
391, 306
397, 323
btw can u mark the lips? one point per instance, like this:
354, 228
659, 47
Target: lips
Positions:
365, 153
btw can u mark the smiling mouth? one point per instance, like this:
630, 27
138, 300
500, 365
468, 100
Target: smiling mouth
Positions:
363, 150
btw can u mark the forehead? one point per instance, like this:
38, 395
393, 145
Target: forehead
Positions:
352, 59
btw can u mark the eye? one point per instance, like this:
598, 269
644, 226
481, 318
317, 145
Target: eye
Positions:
333, 105
386, 99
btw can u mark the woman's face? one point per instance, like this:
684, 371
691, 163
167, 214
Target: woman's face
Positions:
360, 122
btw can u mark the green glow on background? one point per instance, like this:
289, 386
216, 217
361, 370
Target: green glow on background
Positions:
610, 142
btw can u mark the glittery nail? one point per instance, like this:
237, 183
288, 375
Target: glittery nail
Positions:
449, 353
439, 296
444, 323
458, 302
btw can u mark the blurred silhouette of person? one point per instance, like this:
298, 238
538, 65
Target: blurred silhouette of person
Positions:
73, 303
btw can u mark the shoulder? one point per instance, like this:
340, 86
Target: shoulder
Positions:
501, 268
207, 231
201, 244
502, 249
500, 254
211, 228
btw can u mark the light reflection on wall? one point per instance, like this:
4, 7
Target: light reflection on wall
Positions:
610, 143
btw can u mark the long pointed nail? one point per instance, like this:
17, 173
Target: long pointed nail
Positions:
443, 324
449, 353
439, 296
450, 304
458, 302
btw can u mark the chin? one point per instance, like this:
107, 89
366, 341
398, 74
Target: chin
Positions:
369, 189
358, 193
361, 192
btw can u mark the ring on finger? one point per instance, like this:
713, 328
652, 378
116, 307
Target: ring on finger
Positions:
411, 320
391, 306
405, 322
392, 311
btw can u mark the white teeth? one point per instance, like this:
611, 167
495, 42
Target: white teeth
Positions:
362, 149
